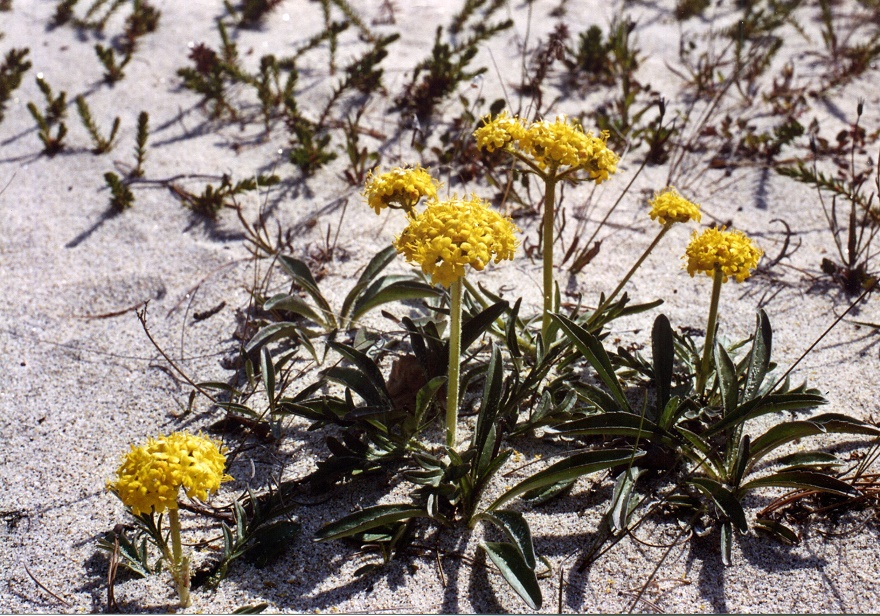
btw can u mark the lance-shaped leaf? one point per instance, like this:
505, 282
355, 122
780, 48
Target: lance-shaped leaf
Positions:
399, 291
759, 358
569, 469
514, 525
663, 352
624, 488
518, 574
296, 305
367, 519
593, 351
616, 423
378, 263
484, 433
724, 499
727, 381
368, 369
476, 326
302, 275
770, 403
805, 480
271, 332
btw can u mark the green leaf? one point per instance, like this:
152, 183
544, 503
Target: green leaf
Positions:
844, 424
271, 332
770, 403
806, 460
366, 519
726, 543
624, 488
616, 423
367, 367
590, 347
256, 608
378, 263
778, 529
515, 526
359, 383
541, 495
726, 372
783, 433
570, 468
401, 290
302, 275
269, 540
510, 333
294, 304
267, 370
515, 570
804, 480
484, 433
724, 499
759, 358
478, 324
663, 352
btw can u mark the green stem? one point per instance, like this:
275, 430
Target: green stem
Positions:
454, 357
549, 215
180, 566
633, 269
708, 346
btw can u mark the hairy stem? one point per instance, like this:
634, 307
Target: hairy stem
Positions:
454, 357
549, 215
180, 566
703, 374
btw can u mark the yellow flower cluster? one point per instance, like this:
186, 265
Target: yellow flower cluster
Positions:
151, 475
731, 252
496, 133
449, 235
400, 188
669, 206
557, 144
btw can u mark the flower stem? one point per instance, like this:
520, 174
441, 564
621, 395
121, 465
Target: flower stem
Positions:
709, 344
633, 269
547, 240
454, 356
180, 566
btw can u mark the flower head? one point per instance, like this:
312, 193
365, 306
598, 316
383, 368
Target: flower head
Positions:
496, 133
151, 475
731, 252
452, 234
400, 188
668, 206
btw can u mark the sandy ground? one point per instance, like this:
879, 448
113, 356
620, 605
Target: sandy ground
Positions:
81, 380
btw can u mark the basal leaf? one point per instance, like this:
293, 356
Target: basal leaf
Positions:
518, 574
366, 519
400, 290
515, 526
663, 355
593, 351
476, 326
759, 358
724, 499
805, 480
568, 469
727, 380
296, 305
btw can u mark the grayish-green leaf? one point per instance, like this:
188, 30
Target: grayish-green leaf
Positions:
518, 574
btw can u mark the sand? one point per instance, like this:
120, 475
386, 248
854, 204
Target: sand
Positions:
81, 380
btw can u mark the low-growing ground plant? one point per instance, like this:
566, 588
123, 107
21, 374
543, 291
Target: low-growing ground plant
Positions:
463, 375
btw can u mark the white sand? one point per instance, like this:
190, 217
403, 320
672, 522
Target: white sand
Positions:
77, 390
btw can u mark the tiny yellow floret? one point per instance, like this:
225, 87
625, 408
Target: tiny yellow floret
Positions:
561, 144
668, 206
450, 235
731, 252
400, 188
496, 133
151, 475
